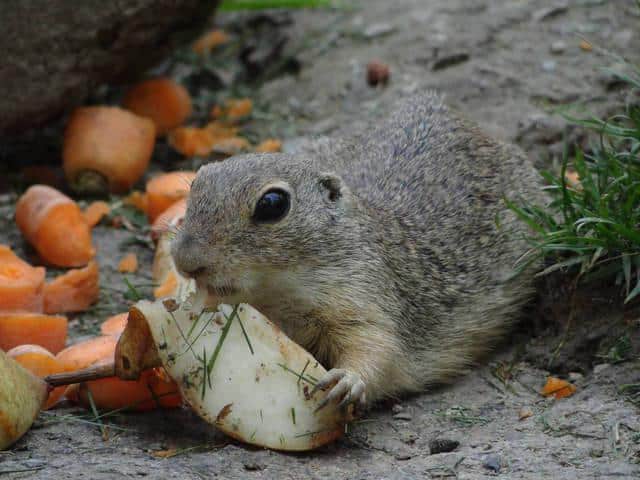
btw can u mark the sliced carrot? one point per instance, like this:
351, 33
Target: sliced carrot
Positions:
209, 41
55, 226
166, 189
165, 102
231, 146
74, 291
41, 362
128, 263
221, 130
151, 390
106, 149
114, 325
137, 200
95, 212
84, 354
170, 217
233, 111
270, 145
19, 328
168, 286
558, 388
21, 285
194, 141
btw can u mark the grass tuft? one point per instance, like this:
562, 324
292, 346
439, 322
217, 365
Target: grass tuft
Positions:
592, 226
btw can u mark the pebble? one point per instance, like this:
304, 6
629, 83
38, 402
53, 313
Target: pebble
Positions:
601, 367
378, 29
558, 47
403, 416
549, 66
575, 376
402, 456
524, 413
442, 445
493, 463
397, 408
253, 466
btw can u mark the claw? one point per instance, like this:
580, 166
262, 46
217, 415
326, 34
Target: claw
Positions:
347, 388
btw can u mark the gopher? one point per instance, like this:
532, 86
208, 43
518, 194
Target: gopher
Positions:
389, 256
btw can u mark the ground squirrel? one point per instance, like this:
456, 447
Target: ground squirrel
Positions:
388, 256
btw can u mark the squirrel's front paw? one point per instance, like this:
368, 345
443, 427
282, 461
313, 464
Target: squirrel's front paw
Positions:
347, 388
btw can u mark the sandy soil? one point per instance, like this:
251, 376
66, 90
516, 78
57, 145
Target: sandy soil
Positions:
506, 65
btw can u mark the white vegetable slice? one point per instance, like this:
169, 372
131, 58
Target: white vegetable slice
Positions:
241, 373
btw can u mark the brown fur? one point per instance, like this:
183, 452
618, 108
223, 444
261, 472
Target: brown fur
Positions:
402, 278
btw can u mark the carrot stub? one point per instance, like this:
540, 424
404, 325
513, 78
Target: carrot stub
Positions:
21, 285
161, 100
106, 149
114, 325
74, 291
55, 226
19, 328
41, 362
95, 212
128, 263
166, 189
558, 388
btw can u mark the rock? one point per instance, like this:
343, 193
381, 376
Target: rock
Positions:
377, 30
493, 463
397, 408
253, 466
575, 377
403, 416
549, 66
558, 47
402, 456
524, 413
55, 52
447, 61
601, 367
377, 73
442, 445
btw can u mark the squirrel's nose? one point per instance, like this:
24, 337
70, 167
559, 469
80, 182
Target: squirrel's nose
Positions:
186, 255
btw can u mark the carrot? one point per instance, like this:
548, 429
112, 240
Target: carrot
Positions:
268, 146
209, 41
21, 285
233, 111
128, 263
84, 354
166, 189
18, 328
55, 226
137, 200
74, 291
95, 211
106, 149
558, 388
231, 146
161, 100
170, 217
168, 286
193, 141
151, 390
114, 325
41, 362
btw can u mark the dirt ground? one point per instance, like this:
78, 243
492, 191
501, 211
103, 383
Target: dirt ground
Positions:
507, 65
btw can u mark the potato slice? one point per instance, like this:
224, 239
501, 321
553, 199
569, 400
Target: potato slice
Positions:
22, 395
242, 374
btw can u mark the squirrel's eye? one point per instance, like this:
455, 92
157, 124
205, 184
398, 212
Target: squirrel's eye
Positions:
272, 206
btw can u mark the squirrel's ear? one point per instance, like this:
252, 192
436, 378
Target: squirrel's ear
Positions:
333, 186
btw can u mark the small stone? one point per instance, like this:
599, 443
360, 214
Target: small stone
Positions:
449, 61
601, 367
442, 445
493, 463
253, 466
403, 416
397, 408
549, 12
408, 437
378, 73
575, 376
558, 47
402, 456
524, 413
549, 66
377, 30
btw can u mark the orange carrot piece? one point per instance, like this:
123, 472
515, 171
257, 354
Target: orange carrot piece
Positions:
74, 291
233, 111
168, 286
55, 226
128, 263
558, 388
19, 328
165, 102
114, 325
84, 354
137, 200
231, 146
166, 189
170, 217
270, 145
209, 41
95, 211
106, 149
41, 362
151, 390
191, 141
21, 285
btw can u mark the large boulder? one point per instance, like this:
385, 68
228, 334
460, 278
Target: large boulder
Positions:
54, 52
